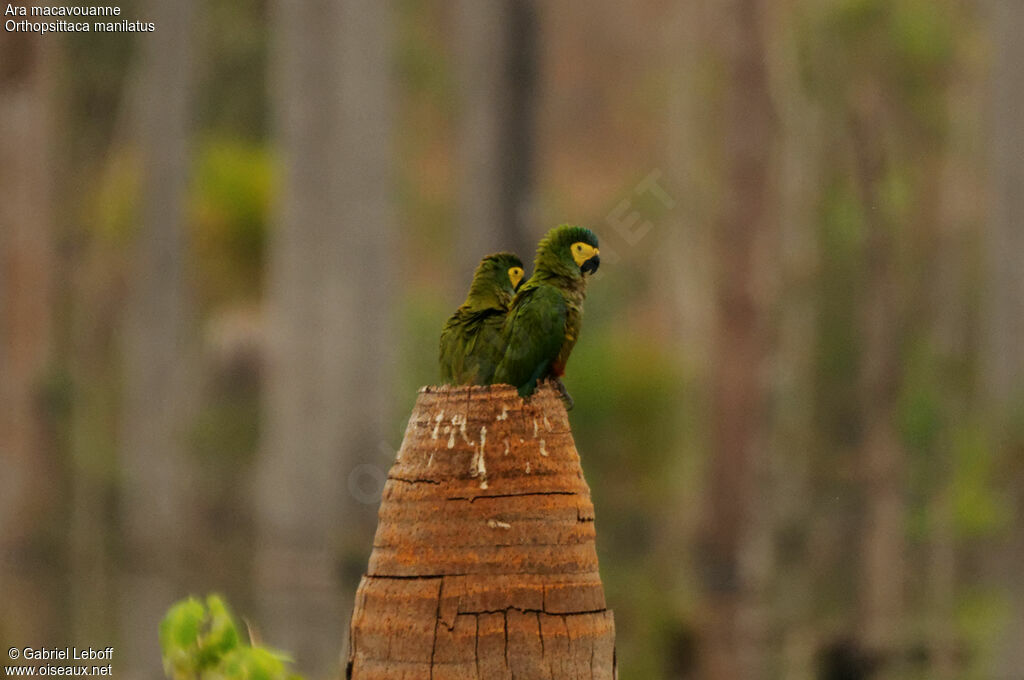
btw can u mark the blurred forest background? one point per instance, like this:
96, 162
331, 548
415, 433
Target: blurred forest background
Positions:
227, 249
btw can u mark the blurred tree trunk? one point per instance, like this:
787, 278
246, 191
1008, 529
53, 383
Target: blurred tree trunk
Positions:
27, 494
689, 261
882, 459
687, 264
331, 338
948, 280
94, 300
157, 354
789, 480
497, 53
1003, 357
732, 645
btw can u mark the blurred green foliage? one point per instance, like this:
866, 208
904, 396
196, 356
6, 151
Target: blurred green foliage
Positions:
980, 508
114, 204
201, 642
231, 202
981, 614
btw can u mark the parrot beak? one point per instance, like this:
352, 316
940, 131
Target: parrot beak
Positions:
591, 265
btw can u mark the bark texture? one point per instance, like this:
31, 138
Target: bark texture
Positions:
484, 563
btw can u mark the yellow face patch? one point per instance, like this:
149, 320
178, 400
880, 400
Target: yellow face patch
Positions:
515, 275
581, 252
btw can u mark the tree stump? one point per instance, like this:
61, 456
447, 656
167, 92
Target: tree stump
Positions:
484, 564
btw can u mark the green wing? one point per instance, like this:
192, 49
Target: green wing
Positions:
534, 333
471, 346
486, 348
450, 357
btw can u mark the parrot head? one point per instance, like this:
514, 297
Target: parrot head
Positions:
498, 275
570, 251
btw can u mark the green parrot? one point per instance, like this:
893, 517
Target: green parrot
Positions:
544, 318
471, 342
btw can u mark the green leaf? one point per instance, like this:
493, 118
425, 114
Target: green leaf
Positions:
202, 643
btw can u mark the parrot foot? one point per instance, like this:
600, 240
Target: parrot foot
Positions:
564, 394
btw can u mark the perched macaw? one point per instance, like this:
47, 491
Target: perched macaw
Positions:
471, 342
544, 318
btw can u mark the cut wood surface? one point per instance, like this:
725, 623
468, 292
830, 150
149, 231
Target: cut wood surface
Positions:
484, 564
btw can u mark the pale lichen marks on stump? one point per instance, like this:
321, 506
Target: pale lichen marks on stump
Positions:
458, 425
437, 424
478, 467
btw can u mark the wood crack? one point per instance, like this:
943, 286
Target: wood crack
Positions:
417, 577
524, 494
437, 622
476, 647
507, 665
527, 610
414, 480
